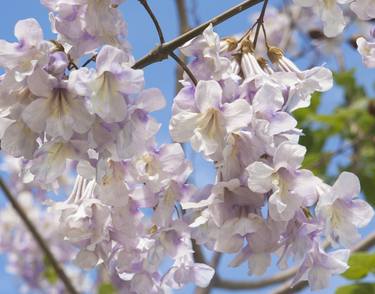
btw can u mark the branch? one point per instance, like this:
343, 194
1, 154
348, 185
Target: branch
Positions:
161, 38
241, 285
198, 254
154, 20
161, 52
185, 67
93, 58
364, 245
38, 238
260, 22
183, 28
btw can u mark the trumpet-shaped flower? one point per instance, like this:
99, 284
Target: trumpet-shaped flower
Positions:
207, 123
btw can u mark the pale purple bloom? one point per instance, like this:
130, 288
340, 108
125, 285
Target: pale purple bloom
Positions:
341, 213
209, 120
318, 266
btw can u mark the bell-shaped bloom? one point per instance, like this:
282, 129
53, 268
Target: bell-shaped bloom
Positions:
241, 149
298, 238
258, 252
111, 187
50, 159
364, 9
87, 24
19, 140
157, 168
267, 104
137, 135
22, 56
318, 266
367, 51
208, 63
330, 13
59, 111
302, 83
341, 213
107, 87
279, 178
186, 271
206, 125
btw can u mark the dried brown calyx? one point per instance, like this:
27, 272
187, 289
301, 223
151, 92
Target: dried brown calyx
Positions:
262, 62
275, 54
232, 43
247, 46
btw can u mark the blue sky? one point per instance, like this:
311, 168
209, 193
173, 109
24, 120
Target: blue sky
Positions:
162, 75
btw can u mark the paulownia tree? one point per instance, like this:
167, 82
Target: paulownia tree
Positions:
75, 121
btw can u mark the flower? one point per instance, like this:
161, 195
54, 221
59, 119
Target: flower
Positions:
206, 123
341, 213
318, 267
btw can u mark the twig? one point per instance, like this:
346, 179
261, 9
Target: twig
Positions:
260, 22
161, 52
364, 245
185, 67
241, 285
183, 28
93, 58
161, 38
154, 20
198, 254
38, 238
265, 36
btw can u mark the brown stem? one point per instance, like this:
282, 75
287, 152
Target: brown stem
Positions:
183, 28
260, 22
154, 20
38, 238
185, 67
161, 38
93, 58
161, 52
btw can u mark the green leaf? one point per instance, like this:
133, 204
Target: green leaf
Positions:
106, 288
360, 265
347, 81
362, 288
368, 187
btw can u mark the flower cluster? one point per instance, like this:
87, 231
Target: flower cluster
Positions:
132, 210
263, 201
84, 25
121, 212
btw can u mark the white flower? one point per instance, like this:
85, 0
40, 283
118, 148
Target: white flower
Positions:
330, 13
367, 50
341, 214
206, 125
59, 111
108, 86
279, 178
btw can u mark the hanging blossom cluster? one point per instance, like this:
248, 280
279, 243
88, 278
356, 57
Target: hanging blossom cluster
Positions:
240, 116
24, 257
121, 212
124, 211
